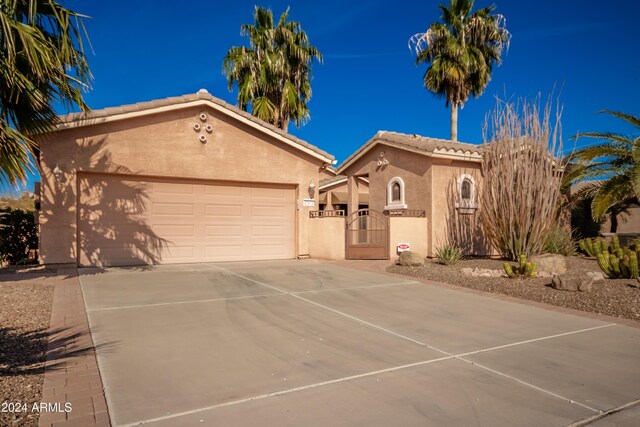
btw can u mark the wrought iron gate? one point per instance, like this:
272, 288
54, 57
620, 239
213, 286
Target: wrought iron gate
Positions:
367, 235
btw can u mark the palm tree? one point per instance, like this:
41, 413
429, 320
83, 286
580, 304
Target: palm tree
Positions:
613, 166
461, 51
42, 62
273, 74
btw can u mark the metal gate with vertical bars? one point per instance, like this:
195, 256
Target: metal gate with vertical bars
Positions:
367, 235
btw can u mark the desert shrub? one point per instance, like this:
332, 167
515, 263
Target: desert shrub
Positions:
522, 169
18, 234
560, 241
448, 254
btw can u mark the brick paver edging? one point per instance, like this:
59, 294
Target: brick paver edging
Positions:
71, 373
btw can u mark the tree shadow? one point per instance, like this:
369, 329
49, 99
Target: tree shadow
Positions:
463, 226
25, 352
108, 203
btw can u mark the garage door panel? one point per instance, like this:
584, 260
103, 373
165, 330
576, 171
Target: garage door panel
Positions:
224, 230
180, 222
224, 191
217, 251
268, 231
175, 230
173, 209
268, 250
218, 210
268, 211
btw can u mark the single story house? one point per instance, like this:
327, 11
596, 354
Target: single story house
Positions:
179, 180
194, 179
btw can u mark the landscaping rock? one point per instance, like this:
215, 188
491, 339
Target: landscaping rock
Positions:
567, 282
551, 263
595, 275
482, 272
409, 259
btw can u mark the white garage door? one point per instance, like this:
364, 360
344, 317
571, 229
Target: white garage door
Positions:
126, 222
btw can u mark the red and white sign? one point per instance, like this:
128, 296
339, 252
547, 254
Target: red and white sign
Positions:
403, 247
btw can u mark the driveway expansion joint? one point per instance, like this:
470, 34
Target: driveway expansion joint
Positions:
447, 354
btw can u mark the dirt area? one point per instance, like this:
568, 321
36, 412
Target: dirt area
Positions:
619, 298
25, 311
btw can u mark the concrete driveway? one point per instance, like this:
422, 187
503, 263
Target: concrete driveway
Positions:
312, 343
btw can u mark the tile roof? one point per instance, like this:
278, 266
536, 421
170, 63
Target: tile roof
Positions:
77, 119
415, 142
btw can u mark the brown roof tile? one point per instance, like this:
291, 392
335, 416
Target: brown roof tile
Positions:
414, 142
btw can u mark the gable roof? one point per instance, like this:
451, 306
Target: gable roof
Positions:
201, 98
432, 147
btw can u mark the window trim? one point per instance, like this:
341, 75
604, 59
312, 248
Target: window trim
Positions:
394, 205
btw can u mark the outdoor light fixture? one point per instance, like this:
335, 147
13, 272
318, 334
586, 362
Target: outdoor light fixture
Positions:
312, 189
57, 173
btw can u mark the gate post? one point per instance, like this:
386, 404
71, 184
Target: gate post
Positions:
352, 195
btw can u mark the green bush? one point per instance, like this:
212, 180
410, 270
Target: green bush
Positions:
448, 254
18, 234
560, 241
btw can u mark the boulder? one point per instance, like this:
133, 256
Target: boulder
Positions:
409, 259
567, 282
595, 275
551, 263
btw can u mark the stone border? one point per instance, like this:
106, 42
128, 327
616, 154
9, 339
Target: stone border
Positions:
71, 371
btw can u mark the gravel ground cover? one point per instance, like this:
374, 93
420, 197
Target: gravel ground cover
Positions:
619, 298
25, 311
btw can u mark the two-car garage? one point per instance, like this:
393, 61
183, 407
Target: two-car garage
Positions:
121, 218
180, 180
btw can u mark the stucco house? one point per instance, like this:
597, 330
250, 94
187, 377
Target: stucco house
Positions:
433, 181
184, 179
194, 179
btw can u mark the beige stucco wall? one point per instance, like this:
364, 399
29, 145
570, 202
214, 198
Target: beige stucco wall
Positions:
163, 145
430, 185
412, 168
408, 230
449, 224
326, 238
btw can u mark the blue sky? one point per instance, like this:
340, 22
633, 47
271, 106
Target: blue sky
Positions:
587, 50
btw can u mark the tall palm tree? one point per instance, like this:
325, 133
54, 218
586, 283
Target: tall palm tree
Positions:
273, 74
613, 166
42, 62
461, 51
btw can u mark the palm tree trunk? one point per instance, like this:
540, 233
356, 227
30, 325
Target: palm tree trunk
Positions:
454, 121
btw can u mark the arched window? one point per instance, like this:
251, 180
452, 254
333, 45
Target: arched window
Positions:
395, 194
466, 192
